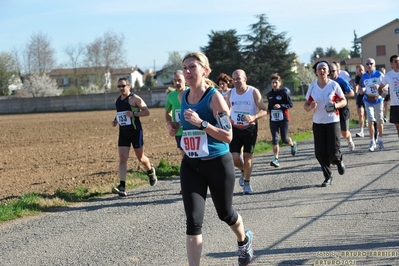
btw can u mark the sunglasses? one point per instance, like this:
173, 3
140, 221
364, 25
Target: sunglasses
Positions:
369, 64
333, 70
121, 86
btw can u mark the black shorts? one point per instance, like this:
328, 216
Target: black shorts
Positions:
244, 138
387, 98
359, 101
129, 137
178, 141
394, 114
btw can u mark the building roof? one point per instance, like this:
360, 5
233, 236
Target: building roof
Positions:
349, 61
352, 61
92, 71
358, 40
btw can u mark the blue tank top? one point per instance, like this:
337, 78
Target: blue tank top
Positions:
216, 147
122, 106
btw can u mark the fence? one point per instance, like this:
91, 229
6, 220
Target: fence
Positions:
83, 102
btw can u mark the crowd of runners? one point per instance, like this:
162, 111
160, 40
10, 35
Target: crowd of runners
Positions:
215, 126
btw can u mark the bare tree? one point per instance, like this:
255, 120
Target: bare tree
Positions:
38, 55
107, 51
113, 50
104, 54
74, 54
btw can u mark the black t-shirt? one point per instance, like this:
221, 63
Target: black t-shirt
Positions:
357, 79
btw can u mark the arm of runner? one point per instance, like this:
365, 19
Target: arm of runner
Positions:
139, 102
310, 104
168, 115
383, 90
262, 109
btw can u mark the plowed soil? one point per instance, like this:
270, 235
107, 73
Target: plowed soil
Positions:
45, 152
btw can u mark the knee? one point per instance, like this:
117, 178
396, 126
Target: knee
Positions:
237, 160
123, 159
143, 159
193, 228
229, 219
275, 140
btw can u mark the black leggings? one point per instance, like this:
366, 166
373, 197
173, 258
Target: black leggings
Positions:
275, 128
195, 177
327, 145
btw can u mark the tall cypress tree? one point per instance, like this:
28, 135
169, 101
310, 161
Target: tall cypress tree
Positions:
266, 52
223, 52
356, 47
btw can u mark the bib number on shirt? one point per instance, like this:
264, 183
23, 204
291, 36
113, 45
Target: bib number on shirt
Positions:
370, 86
122, 119
276, 115
177, 115
195, 143
238, 118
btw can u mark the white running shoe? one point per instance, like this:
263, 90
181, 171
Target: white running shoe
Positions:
372, 145
360, 134
351, 145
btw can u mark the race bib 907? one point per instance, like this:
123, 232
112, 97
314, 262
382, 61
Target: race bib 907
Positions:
194, 143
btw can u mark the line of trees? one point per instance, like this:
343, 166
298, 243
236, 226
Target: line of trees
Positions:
260, 53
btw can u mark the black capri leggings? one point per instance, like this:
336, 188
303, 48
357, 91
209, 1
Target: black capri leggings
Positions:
196, 176
282, 127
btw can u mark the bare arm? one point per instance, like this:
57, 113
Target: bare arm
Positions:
383, 90
168, 115
341, 103
350, 94
262, 110
309, 105
139, 102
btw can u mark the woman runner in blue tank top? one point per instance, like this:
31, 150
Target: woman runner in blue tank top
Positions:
207, 162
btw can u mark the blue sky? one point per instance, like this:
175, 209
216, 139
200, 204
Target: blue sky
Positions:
155, 28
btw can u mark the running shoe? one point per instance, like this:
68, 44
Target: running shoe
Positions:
241, 180
294, 148
360, 134
372, 145
351, 145
120, 191
275, 162
246, 253
341, 167
247, 188
380, 145
152, 176
327, 181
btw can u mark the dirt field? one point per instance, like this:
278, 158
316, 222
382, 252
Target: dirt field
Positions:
45, 152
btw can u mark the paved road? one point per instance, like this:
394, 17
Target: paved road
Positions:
294, 220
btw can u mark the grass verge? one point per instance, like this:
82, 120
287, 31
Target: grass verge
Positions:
34, 203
